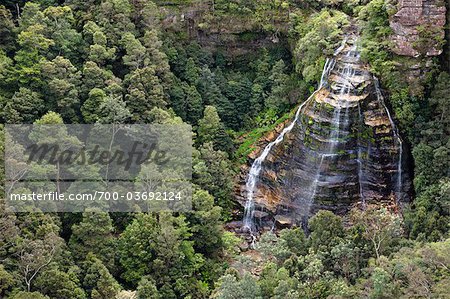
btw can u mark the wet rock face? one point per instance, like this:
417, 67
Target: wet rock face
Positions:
418, 27
342, 151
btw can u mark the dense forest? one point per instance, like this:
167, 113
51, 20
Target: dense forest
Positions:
234, 70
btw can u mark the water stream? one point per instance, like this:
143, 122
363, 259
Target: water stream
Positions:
342, 91
255, 169
360, 161
399, 183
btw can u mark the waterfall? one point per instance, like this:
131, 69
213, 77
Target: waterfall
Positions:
359, 160
256, 166
347, 73
397, 138
324, 164
255, 169
313, 187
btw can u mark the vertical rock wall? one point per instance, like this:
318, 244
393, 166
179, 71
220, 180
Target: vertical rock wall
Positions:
343, 151
418, 27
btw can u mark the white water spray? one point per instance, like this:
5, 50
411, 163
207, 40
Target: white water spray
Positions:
257, 164
360, 164
255, 169
397, 137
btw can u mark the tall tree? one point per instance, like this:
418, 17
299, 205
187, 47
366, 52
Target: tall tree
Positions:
326, 231
62, 87
379, 227
95, 76
94, 234
7, 28
191, 72
99, 52
212, 172
91, 107
209, 125
278, 98
159, 247
208, 88
34, 45
211, 129
115, 17
60, 27
156, 56
205, 224
144, 88
36, 255
230, 287
24, 107
146, 289
99, 283
113, 110
193, 104
59, 284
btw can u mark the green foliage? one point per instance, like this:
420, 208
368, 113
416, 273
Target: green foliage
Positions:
58, 284
60, 24
7, 26
205, 224
50, 118
98, 282
159, 246
277, 98
232, 288
193, 104
211, 129
326, 231
318, 37
212, 172
94, 234
268, 124
147, 289
430, 217
191, 73
24, 107
378, 226
121, 61
62, 82
136, 248
91, 106
29, 295
6, 280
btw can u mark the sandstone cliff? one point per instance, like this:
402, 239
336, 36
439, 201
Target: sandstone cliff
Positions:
231, 34
418, 27
343, 151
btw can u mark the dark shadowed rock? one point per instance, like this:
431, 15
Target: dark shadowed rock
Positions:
283, 221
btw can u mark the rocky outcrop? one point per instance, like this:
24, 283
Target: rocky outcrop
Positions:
418, 27
232, 35
342, 151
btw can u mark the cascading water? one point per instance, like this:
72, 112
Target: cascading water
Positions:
347, 73
398, 139
335, 154
360, 162
256, 166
